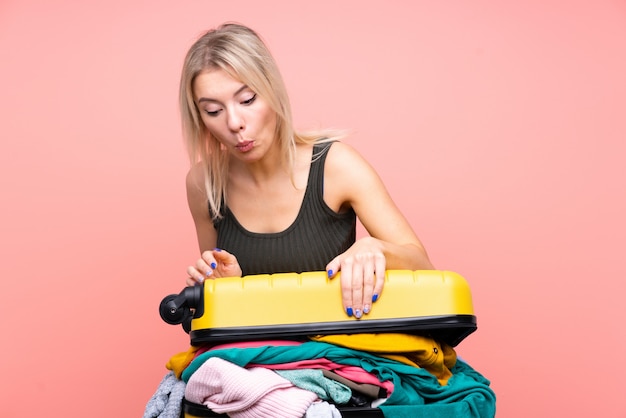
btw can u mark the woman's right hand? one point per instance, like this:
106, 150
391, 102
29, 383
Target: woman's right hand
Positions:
213, 264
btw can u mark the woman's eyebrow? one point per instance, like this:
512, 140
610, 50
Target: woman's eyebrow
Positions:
239, 90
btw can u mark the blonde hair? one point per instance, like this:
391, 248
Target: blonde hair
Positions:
240, 52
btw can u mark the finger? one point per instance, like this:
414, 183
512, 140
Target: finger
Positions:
333, 267
203, 267
346, 286
369, 281
209, 259
357, 289
194, 276
227, 264
223, 256
381, 266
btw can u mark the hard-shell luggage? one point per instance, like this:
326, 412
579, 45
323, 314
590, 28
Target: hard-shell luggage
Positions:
286, 305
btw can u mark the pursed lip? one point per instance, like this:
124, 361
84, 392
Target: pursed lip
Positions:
244, 146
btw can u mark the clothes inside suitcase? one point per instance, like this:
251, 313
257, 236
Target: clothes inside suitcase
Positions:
284, 306
194, 410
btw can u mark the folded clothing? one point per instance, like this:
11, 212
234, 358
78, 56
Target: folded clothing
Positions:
246, 393
414, 350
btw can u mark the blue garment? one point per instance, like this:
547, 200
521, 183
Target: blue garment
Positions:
417, 393
167, 400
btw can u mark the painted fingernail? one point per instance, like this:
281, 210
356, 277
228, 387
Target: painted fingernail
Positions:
366, 309
213, 265
217, 249
374, 298
208, 273
358, 314
330, 273
200, 279
349, 311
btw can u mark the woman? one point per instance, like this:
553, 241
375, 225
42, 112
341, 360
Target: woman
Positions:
267, 199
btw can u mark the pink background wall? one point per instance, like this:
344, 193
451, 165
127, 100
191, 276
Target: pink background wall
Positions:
499, 128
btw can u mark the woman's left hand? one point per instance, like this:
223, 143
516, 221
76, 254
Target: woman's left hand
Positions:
362, 275
213, 264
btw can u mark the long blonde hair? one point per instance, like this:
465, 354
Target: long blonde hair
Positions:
241, 52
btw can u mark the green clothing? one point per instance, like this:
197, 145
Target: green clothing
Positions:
314, 381
416, 394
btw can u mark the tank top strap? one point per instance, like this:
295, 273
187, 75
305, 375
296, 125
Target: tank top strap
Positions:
315, 189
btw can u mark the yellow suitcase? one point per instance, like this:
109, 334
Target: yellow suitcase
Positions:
291, 305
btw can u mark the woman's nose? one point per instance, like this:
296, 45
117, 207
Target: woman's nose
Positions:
235, 121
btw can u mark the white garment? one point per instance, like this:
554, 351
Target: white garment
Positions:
322, 409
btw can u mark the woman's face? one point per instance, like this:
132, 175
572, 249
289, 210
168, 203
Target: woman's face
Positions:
236, 116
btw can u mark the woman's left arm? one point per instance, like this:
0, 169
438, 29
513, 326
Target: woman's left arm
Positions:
350, 181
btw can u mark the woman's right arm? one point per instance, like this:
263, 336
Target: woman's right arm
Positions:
213, 262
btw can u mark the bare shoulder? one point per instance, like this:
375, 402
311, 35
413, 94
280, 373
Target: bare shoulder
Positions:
348, 176
343, 149
345, 163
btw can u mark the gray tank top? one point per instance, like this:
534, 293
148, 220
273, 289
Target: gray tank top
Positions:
316, 236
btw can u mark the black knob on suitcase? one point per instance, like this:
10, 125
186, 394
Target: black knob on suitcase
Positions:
182, 308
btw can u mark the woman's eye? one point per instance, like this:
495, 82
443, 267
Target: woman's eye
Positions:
249, 101
212, 112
